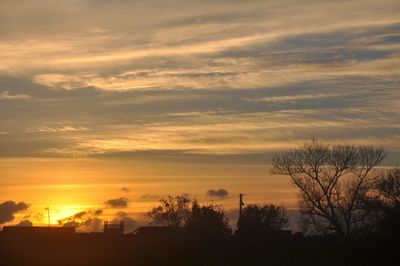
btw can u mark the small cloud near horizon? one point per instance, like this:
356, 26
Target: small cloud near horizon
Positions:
217, 193
25, 223
125, 189
118, 203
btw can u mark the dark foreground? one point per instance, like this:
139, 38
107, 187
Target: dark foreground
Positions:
178, 248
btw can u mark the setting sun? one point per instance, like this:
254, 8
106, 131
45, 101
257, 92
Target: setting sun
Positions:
57, 213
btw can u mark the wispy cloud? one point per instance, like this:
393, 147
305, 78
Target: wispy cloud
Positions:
61, 129
5, 95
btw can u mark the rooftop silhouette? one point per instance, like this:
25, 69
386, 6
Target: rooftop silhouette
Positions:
38, 230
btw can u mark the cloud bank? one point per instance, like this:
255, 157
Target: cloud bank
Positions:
86, 221
9, 208
205, 78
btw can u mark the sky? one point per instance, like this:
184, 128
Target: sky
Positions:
108, 106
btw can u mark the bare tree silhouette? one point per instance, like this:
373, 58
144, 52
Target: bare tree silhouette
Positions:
172, 211
332, 181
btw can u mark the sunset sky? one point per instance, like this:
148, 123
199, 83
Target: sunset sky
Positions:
108, 106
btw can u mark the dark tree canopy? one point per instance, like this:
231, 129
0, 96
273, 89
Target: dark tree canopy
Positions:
261, 220
332, 181
208, 221
383, 202
388, 188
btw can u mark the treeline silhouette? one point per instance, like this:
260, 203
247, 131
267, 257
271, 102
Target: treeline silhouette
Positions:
206, 239
350, 215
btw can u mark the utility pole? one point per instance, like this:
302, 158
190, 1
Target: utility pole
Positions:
240, 205
48, 214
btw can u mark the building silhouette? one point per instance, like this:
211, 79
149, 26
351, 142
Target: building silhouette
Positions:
114, 229
38, 230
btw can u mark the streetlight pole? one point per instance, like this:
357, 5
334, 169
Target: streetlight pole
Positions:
48, 214
240, 204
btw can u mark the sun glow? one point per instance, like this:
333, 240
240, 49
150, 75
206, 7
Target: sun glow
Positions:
58, 213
